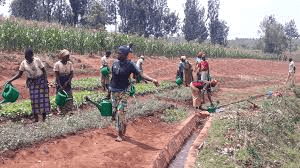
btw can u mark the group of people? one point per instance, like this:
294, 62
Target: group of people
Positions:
37, 81
202, 85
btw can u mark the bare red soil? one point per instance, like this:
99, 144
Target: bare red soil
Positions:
146, 136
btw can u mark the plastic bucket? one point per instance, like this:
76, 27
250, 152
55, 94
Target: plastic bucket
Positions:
105, 70
178, 81
10, 94
105, 107
61, 98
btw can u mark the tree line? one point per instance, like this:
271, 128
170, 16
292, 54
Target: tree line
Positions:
141, 17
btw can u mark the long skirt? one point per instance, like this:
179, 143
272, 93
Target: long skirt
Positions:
119, 104
204, 75
39, 95
69, 104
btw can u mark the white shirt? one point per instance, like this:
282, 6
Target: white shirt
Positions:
63, 69
104, 61
139, 63
33, 70
291, 66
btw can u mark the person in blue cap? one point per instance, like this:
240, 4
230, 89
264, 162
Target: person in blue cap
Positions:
119, 88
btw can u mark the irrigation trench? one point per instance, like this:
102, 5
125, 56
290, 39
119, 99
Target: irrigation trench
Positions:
173, 147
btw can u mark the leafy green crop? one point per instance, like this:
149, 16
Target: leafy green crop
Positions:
86, 83
142, 88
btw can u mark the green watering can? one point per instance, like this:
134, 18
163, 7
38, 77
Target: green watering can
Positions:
132, 90
178, 81
104, 106
61, 98
105, 70
10, 93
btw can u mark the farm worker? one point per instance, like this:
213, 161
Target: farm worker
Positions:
199, 88
198, 60
36, 82
291, 73
105, 78
203, 68
185, 70
139, 65
119, 87
64, 72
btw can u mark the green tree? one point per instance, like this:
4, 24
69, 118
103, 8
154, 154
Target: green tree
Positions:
63, 13
273, 35
147, 17
194, 23
218, 30
291, 33
24, 8
78, 8
95, 16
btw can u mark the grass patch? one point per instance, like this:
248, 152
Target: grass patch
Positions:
142, 88
16, 135
86, 83
268, 137
174, 115
143, 108
179, 93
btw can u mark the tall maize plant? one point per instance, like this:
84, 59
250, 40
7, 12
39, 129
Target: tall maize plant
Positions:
44, 37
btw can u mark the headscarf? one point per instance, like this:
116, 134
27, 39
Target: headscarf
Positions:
125, 49
183, 57
63, 53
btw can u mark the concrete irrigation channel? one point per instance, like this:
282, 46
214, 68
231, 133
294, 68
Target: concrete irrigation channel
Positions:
182, 148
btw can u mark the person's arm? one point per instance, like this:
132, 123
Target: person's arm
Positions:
147, 78
17, 76
57, 79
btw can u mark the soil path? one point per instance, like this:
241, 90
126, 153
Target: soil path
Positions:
145, 136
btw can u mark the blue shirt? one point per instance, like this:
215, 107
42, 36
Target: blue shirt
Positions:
121, 71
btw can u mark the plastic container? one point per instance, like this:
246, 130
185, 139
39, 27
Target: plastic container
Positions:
178, 81
132, 90
10, 94
105, 107
61, 98
105, 70
211, 109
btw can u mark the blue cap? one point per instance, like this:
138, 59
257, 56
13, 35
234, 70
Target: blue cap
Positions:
124, 49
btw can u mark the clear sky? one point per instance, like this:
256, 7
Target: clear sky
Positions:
242, 16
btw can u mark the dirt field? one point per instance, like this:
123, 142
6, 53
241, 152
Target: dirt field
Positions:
239, 78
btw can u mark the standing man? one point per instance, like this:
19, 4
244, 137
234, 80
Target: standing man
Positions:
119, 87
105, 77
139, 64
291, 73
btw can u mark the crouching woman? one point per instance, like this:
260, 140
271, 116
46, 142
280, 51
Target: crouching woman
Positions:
36, 82
199, 89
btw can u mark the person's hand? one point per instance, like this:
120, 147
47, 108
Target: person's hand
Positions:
156, 83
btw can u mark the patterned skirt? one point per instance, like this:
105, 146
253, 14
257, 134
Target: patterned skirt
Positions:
39, 95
